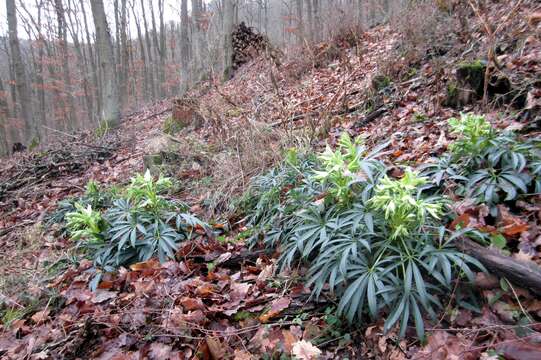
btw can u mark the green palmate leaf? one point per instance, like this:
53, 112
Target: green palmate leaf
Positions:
134, 227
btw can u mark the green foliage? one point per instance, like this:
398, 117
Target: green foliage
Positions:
402, 209
172, 126
138, 224
86, 223
95, 196
474, 131
348, 165
373, 241
487, 166
102, 129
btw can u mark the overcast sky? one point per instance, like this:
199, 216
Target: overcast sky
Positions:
171, 13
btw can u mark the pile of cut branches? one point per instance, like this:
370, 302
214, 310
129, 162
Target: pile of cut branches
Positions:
67, 157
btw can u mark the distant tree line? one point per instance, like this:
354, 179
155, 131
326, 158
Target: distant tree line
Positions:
67, 65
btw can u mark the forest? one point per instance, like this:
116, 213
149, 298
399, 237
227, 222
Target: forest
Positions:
270, 179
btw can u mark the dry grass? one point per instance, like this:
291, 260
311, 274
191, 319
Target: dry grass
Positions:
222, 169
426, 30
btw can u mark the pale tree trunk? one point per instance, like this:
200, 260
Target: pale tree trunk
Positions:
4, 115
360, 13
81, 60
300, 22
110, 93
23, 90
162, 50
149, 51
146, 84
94, 67
317, 20
310, 15
184, 49
229, 24
198, 68
62, 38
124, 52
157, 52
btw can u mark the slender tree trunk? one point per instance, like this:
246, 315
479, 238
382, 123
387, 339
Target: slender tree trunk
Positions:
310, 15
162, 48
94, 67
300, 22
62, 38
124, 52
23, 89
317, 20
146, 84
111, 102
83, 65
149, 51
4, 116
229, 18
184, 49
197, 42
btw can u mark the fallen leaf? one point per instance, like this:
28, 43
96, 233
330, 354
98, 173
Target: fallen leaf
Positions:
217, 351
277, 307
102, 296
40, 316
304, 350
289, 340
159, 351
151, 264
190, 304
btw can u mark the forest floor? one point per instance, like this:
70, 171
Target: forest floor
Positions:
222, 300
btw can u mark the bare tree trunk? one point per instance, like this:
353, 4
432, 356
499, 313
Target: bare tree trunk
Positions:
124, 52
146, 80
162, 49
229, 18
198, 68
184, 49
317, 20
300, 22
4, 115
23, 90
94, 68
157, 52
310, 14
82, 62
62, 38
110, 93
149, 51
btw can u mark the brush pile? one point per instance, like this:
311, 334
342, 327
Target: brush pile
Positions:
247, 44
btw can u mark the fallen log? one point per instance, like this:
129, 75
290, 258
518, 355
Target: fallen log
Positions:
522, 273
235, 260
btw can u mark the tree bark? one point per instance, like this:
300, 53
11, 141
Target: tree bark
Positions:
300, 22
22, 86
229, 24
94, 68
184, 49
149, 51
62, 38
4, 115
522, 273
110, 94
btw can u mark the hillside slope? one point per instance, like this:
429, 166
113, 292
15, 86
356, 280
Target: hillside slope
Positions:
221, 299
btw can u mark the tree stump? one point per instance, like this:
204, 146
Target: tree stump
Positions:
185, 112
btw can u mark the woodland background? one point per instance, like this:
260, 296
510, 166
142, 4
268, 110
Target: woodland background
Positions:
55, 77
